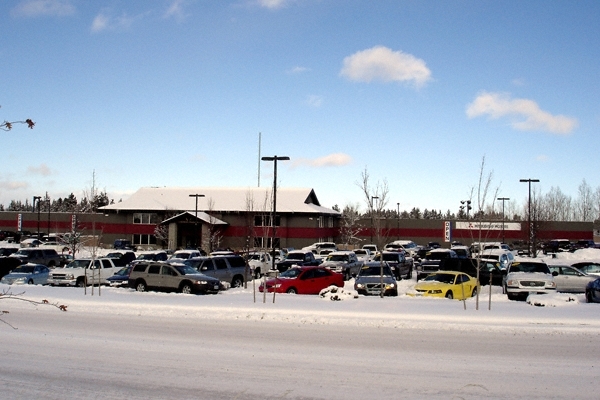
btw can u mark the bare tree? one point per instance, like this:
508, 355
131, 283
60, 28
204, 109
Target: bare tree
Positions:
7, 125
585, 203
350, 227
376, 198
7, 295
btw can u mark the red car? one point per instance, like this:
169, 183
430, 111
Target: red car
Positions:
304, 280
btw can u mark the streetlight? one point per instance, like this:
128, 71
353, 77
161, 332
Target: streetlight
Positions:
529, 242
38, 198
372, 213
503, 199
196, 220
467, 206
273, 225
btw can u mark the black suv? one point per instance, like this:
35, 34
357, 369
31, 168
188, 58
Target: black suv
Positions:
555, 246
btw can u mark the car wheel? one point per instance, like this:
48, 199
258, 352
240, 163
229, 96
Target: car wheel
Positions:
140, 287
347, 276
474, 292
588, 297
449, 295
237, 282
257, 273
30, 282
409, 275
512, 296
186, 288
292, 291
81, 282
51, 264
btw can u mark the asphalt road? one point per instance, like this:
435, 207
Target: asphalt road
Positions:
69, 355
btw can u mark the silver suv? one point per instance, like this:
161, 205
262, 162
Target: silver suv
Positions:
177, 277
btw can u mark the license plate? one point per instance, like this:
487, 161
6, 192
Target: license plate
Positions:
216, 287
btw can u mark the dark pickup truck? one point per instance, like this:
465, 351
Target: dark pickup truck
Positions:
487, 269
301, 258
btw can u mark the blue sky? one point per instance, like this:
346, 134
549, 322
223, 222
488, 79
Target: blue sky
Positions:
175, 93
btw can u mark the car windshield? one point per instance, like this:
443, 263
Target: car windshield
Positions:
295, 256
254, 256
444, 278
23, 253
337, 257
147, 256
124, 271
387, 257
360, 252
437, 255
530, 267
185, 269
24, 269
291, 273
375, 271
78, 264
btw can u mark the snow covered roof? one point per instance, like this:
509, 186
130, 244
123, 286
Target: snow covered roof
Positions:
202, 216
289, 200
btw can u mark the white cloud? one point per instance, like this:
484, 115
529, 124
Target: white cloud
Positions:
331, 160
103, 21
542, 158
525, 114
297, 70
13, 185
382, 64
314, 100
42, 169
176, 10
35, 8
272, 4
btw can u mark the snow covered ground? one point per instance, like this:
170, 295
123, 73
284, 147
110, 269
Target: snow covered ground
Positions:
124, 344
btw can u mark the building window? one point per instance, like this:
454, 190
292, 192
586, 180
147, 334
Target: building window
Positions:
145, 218
265, 220
321, 222
330, 222
144, 239
265, 242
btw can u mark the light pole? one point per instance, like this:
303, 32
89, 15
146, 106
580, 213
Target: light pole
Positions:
503, 199
372, 214
38, 198
274, 214
530, 231
398, 227
196, 220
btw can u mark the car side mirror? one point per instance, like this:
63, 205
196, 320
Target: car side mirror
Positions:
555, 273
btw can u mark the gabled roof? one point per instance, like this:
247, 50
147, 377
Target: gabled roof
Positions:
191, 216
250, 199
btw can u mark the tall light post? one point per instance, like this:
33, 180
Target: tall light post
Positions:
196, 220
530, 231
398, 225
274, 213
372, 214
503, 199
38, 198
466, 204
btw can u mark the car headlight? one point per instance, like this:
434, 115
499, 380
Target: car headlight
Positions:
437, 291
19, 280
360, 286
551, 285
200, 282
512, 282
390, 286
3, 280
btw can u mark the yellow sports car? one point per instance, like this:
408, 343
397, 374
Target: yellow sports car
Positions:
448, 284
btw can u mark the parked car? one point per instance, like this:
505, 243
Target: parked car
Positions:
82, 272
556, 246
343, 262
431, 261
120, 278
121, 258
299, 258
363, 255
47, 257
398, 262
7, 264
181, 255
30, 242
228, 268
588, 267
171, 277
461, 251
123, 244
260, 263
487, 269
315, 247
371, 247
408, 246
502, 256
528, 276
7, 251
303, 280
448, 284
32, 274
373, 278
152, 256
592, 291
568, 278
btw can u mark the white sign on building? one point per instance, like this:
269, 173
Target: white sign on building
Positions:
490, 226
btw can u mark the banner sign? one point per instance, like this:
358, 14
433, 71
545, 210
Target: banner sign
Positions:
73, 223
489, 226
19, 222
447, 231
